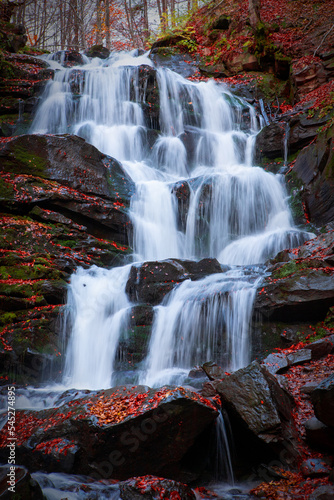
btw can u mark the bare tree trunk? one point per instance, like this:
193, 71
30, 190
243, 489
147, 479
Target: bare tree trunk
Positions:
145, 13
159, 8
98, 23
254, 13
107, 23
128, 12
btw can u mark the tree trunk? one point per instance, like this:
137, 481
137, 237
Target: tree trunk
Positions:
98, 39
107, 23
254, 13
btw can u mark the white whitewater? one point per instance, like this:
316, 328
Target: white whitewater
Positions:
238, 213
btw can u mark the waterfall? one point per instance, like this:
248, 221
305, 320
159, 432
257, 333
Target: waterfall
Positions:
237, 213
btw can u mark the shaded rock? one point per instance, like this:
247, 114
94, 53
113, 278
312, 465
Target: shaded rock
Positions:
90, 187
68, 58
323, 401
309, 387
321, 347
151, 281
275, 363
221, 23
314, 168
182, 193
196, 372
302, 130
119, 432
183, 63
269, 141
209, 389
253, 397
213, 371
325, 492
133, 345
150, 487
319, 247
18, 478
297, 292
298, 357
315, 467
97, 51
308, 77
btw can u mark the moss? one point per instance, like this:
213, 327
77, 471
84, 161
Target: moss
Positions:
293, 267
30, 162
6, 189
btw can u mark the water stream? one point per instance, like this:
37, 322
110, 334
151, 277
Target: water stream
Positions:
237, 213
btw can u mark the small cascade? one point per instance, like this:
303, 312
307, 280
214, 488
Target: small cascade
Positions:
223, 469
236, 212
201, 320
98, 310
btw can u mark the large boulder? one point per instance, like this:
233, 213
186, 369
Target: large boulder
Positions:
16, 482
151, 281
300, 286
314, 169
304, 294
87, 186
254, 399
116, 433
323, 401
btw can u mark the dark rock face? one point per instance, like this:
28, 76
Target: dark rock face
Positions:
301, 131
68, 58
307, 293
63, 205
118, 433
89, 186
22, 484
22, 80
314, 166
151, 281
133, 347
253, 397
303, 287
323, 401
307, 78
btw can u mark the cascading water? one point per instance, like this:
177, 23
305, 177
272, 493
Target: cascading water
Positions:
237, 213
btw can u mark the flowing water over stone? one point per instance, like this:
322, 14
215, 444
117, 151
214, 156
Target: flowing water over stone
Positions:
236, 212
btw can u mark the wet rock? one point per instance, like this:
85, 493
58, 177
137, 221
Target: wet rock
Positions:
118, 432
302, 130
323, 401
253, 397
309, 387
133, 345
90, 188
182, 193
315, 467
313, 167
306, 293
275, 363
213, 371
24, 487
151, 487
322, 347
97, 51
151, 281
68, 58
185, 64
